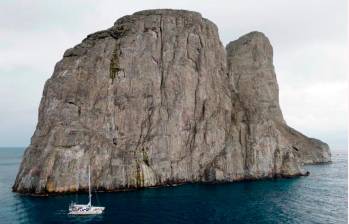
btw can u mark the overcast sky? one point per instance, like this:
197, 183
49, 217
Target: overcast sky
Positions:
309, 38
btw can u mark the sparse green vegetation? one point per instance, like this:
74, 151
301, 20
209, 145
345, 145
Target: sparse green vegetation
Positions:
114, 64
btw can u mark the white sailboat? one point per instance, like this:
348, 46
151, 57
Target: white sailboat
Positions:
80, 209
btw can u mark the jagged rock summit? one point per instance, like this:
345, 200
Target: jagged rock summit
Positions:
157, 100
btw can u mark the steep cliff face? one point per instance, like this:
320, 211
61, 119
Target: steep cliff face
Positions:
156, 100
250, 65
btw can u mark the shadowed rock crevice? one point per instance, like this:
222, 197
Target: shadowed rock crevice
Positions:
157, 100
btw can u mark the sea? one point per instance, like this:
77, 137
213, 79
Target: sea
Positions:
321, 197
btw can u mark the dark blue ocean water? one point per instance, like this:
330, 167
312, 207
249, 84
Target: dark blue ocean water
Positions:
318, 198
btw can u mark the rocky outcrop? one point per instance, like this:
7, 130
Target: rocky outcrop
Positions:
252, 78
157, 100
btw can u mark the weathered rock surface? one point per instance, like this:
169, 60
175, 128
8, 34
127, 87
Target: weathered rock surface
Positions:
157, 100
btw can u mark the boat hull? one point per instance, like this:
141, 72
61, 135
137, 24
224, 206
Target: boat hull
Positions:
86, 210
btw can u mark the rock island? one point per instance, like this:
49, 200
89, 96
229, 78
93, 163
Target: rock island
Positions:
157, 100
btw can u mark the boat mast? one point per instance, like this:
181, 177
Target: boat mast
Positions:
89, 185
